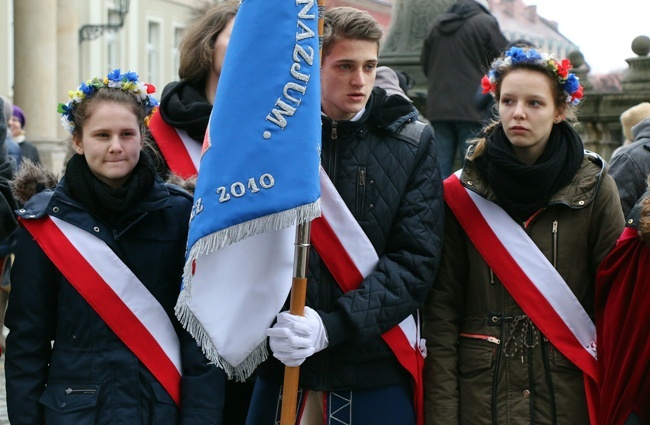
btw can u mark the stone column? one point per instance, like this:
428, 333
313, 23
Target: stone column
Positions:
68, 72
35, 88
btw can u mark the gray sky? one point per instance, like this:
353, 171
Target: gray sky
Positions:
603, 30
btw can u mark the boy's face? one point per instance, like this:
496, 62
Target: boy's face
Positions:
347, 77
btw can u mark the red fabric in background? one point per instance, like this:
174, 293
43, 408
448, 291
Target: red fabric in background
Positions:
623, 328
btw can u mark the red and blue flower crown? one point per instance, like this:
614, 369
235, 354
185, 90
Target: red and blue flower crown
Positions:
517, 55
127, 82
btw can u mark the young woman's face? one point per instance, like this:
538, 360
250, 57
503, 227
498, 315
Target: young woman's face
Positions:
347, 76
111, 142
528, 112
220, 46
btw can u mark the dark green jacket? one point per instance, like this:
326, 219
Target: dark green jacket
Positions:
517, 376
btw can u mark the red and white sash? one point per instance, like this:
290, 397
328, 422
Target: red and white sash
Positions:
181, 152
116, 294
528, 276
350, 257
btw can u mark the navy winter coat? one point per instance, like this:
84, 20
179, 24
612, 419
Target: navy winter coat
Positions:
88, 375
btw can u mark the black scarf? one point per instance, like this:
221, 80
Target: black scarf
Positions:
521, 189
101, 200
184, 106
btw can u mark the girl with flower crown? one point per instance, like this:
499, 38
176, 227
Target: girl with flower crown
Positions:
99, 260
509, 320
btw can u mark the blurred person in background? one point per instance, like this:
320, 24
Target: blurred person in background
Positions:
17, 124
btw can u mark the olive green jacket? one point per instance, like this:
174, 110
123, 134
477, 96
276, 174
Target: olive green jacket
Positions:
486, 361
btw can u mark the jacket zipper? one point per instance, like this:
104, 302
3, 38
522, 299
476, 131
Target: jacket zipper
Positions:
547, 347
487, 338
361, 191
546, 352
330, 166
555, 244
497, 367
531, 378
327, 281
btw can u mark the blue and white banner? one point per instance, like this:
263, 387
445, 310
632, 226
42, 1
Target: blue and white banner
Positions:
258, 178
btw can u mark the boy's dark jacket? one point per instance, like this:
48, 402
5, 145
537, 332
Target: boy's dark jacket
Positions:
385, 168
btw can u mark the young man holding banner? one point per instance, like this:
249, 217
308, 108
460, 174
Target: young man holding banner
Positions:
375, 250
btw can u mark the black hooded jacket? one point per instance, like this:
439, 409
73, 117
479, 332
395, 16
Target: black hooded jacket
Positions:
458, 49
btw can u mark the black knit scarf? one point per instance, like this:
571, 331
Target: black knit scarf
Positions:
521, 189
101, 200
184, 105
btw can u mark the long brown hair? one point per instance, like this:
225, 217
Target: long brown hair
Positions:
197, 45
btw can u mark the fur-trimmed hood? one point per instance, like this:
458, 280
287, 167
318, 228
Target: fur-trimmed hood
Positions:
32, 179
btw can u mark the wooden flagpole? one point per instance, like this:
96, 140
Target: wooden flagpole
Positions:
299, 284
297, 307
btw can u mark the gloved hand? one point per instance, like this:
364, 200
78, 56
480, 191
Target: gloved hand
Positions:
294, 338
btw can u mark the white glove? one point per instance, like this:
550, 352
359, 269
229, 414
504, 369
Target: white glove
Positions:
294, 338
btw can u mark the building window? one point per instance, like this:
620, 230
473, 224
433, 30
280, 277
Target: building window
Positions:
176, 55
153, 51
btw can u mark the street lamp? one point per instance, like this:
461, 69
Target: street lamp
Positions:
90, 32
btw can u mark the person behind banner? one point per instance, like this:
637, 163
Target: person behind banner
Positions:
74, 357
539, 199
383, 164
622, 298
179, 126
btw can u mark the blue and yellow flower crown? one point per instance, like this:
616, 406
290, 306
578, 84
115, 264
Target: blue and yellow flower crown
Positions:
115, 79
516, 55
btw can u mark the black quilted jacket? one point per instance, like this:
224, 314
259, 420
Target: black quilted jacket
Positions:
385, 168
